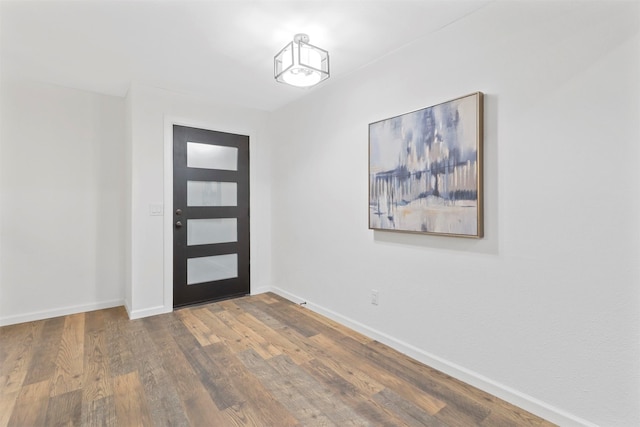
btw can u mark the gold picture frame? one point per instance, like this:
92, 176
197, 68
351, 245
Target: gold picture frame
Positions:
426, 168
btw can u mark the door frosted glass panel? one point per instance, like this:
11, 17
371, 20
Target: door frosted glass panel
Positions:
210, 268
211, 230
207, 156
212, 193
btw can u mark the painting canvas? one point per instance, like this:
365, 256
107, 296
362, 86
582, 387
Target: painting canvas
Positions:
425, 170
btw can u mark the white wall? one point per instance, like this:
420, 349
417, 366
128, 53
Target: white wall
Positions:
545, 310
79, 171
153, 111
61, 201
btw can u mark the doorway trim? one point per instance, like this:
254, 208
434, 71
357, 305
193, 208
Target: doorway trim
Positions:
167, 227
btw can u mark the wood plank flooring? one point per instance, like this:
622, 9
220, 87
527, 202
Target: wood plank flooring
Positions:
252, 361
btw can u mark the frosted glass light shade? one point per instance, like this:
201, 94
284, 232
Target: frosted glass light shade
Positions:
301, 64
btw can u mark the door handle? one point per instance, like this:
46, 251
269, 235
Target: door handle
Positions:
178, 224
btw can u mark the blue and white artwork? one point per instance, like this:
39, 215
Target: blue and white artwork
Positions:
425, 170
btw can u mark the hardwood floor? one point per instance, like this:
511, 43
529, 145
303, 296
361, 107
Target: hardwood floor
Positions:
252, 361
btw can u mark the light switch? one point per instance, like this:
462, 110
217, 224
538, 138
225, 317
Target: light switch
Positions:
156, 210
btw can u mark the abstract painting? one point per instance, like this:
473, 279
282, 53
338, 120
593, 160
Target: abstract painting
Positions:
425, 170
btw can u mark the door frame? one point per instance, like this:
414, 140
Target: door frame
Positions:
167, 227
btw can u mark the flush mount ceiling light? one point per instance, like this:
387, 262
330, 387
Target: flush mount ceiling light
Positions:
301, 64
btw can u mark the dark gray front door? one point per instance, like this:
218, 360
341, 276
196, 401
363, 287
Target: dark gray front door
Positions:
211, 215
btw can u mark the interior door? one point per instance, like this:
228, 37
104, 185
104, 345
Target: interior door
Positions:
211, 215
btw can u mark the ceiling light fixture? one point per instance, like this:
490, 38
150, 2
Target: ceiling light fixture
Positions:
301, 64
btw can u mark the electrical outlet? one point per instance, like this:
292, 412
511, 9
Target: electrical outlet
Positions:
374, 297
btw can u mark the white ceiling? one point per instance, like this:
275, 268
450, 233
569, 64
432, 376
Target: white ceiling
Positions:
222, 50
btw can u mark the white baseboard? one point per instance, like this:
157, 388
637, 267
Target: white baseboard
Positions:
127, 307
261, 290
64, 311
146, 312
522, 400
